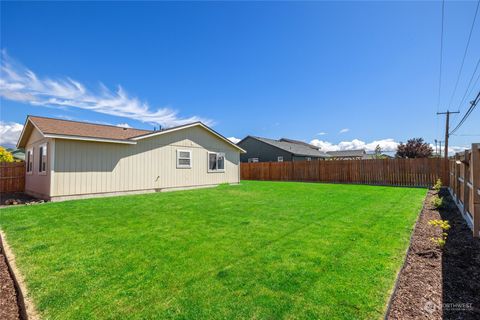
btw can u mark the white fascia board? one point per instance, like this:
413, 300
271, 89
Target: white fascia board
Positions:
59, 136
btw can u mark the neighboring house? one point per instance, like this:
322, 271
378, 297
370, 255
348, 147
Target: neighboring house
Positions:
18, 154
372, 156
268, 150
68, 159
347, 154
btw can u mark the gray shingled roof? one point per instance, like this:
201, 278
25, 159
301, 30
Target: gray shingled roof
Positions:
299, 142
347, 153
298, 149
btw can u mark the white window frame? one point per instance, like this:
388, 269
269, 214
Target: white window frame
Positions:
184, 166
29, 161
44, 149
216, 154
308, 158
280, 159
252, 160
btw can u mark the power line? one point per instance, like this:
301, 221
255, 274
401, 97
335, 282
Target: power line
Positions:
470, 91
464, 55
469, 84
474, 85
441, 57
473, 104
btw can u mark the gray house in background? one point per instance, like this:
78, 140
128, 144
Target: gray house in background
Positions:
358, 154
268, 150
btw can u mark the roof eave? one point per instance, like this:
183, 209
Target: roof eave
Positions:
157, 133
20, 142
82, 138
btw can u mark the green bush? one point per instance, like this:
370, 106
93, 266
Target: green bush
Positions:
437, 201
438, 185
445, 226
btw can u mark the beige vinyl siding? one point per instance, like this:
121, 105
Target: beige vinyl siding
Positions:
38, 184
83, 167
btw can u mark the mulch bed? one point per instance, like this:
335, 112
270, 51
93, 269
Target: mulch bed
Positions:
19, 197
439, 283
8, 296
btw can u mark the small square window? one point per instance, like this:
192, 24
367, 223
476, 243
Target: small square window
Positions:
279, 159
184, 159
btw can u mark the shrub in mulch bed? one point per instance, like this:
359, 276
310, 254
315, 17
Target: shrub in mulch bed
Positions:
439, 282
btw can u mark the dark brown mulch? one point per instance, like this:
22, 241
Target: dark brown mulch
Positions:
8, 297
439, 283
23, 197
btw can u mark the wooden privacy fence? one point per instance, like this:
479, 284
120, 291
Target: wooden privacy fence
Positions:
12, 177
465, 185
395, 172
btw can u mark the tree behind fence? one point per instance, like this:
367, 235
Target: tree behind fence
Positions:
12, 177
396, 172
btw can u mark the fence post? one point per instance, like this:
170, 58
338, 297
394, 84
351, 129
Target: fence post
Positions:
475, 171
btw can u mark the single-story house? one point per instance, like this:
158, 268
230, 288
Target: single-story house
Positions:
69, 160
347, 154
269, 150
372, 156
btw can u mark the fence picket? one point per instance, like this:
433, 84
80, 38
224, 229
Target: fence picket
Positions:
12, 177
396, 172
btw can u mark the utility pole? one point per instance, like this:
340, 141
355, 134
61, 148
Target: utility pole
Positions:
447, 134
447, 128
438, 146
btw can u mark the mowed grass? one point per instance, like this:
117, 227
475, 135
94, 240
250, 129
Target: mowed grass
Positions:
260, 250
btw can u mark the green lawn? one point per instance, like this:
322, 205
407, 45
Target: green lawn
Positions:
263, 250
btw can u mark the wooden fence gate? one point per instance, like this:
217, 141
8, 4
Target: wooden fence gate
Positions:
12, 177
394, 172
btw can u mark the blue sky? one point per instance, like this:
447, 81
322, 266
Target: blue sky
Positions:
344, 74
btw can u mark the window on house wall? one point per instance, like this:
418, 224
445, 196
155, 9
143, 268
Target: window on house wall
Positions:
279, 159
42, 159
30, 161
216, 162
184, 159
252, 160
308, 158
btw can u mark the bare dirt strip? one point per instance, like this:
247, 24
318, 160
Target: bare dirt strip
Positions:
8, 296
438, 283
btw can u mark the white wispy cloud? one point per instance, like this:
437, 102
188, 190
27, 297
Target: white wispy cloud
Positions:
20, 84
9, 133
451, 149
387, 145
234, 140
344, 130
321, 133
123, 125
